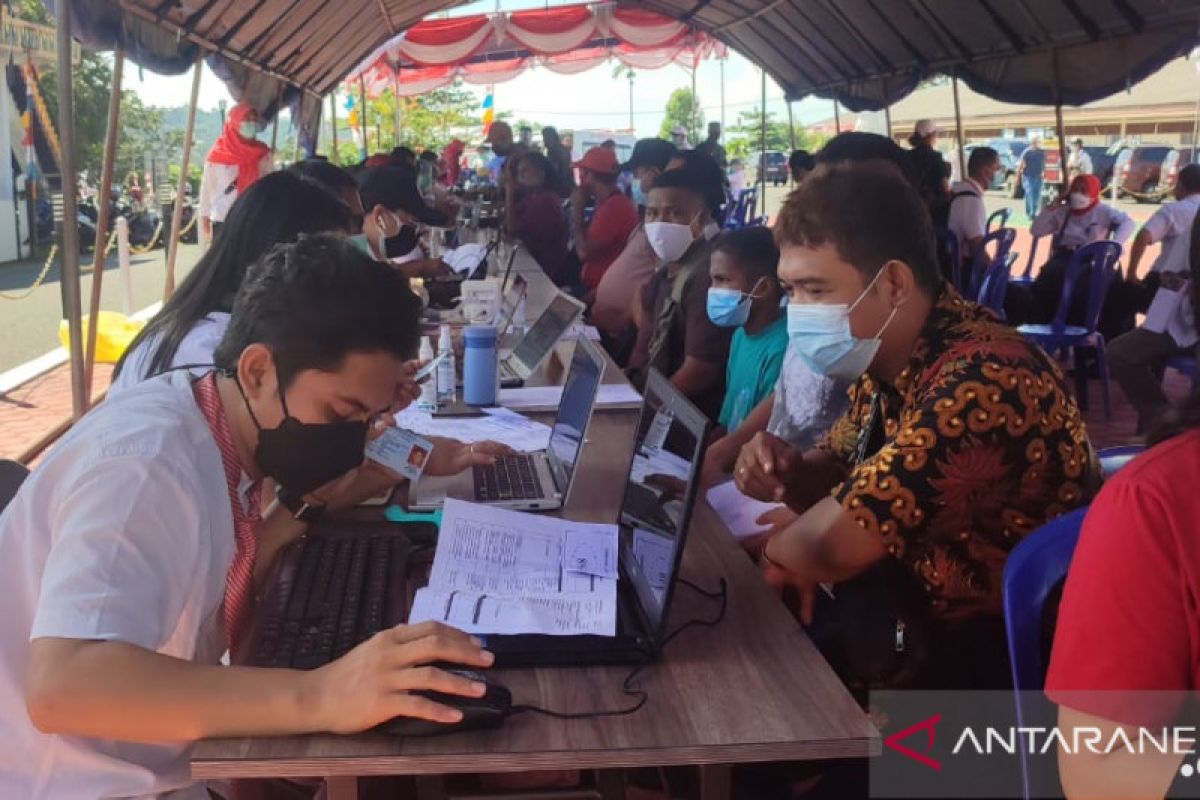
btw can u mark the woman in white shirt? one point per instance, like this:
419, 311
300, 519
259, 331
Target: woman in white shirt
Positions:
1073, 220
237, 159
277, 209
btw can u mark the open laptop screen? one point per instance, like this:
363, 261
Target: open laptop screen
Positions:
575, 407
660, 493
542, 335
512, 299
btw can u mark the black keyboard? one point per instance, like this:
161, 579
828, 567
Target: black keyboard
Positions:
508, 478
332, 592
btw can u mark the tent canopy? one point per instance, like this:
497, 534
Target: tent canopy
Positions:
866, 53
491, 48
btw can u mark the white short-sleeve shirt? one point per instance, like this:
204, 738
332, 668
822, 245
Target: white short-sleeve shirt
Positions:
218, 187
968, 214
196, 347
1172, 225
124, 533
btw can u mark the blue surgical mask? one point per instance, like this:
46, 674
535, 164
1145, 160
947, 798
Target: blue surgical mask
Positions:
639, 196
729, 308
360, 241
821, 334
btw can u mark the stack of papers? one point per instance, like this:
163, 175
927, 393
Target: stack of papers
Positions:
737, 511
497, 425
580, 331
549, 397
506, 572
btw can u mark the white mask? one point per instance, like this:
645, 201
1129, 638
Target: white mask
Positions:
822, 336
1079, 201
669, 240
248, 129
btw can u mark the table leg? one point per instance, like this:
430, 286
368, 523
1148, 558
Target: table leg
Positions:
715, 781
611, 783
341, 788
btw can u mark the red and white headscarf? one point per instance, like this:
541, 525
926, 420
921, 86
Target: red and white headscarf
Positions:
236, 150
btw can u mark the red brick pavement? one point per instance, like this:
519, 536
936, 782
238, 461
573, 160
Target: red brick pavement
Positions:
31, 410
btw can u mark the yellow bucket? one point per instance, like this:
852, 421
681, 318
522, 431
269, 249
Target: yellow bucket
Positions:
114, 332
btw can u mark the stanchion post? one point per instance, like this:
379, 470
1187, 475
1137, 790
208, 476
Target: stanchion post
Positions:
125, 270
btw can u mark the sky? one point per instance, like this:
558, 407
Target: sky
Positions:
592, 99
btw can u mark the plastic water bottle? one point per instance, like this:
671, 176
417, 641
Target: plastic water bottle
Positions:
480, 375
447, 374
428, 401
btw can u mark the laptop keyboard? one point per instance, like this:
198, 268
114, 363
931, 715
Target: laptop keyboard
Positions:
508, 478
340, 591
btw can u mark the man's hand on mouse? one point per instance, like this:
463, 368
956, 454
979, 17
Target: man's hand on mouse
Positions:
378, 680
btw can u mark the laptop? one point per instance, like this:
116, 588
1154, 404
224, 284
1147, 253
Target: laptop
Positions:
660, 492
539, 340
539, 481
510, 303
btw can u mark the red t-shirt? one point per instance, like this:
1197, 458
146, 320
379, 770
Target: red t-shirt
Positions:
612, 222
541, 224
1128, 620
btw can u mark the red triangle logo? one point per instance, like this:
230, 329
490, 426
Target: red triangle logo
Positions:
926, 725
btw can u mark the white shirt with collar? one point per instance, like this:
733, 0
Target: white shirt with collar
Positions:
1172, 225
218, 187
1091, 226
1079, 163
968, 214
196, 347
124, 533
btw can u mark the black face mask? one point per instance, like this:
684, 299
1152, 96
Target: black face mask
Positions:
302, 456
402, 243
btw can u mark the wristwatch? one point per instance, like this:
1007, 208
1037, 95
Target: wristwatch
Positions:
301, 509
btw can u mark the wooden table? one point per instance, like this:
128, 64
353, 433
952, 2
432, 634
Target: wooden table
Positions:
754, 688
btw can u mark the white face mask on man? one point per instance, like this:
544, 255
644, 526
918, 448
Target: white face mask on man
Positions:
670, 240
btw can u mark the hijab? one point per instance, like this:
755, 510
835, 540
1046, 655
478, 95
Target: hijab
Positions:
1089, 185
452, 155
236, 150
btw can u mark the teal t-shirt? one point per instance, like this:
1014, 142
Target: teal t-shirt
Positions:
753, 369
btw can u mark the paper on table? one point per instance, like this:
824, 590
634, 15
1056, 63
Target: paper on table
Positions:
592, 550
498, 425
486, 614
511, 567
738, 511
464, 258
578, 331
609, 394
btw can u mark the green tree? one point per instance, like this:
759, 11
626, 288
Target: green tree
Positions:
747, 139
92, 82
683, 108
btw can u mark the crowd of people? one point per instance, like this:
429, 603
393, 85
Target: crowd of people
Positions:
909, 438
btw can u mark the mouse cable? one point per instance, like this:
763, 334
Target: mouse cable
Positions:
628, 685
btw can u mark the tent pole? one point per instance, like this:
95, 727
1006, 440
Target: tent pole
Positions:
275, 122
958, 133
100, 251
696, 114
1058, 123
181, 188
762, 157
334, 156
722, 94
837, 118
68, 232
887, 120
396, 92
791, 125
362, 114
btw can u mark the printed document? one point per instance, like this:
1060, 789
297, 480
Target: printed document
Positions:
739, 512
498, 425
504, 572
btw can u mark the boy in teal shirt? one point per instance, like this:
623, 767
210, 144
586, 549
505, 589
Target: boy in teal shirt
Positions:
745, 294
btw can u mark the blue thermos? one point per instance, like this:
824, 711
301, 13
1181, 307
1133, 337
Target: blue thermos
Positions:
479, 365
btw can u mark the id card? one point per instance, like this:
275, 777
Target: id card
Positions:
401, 451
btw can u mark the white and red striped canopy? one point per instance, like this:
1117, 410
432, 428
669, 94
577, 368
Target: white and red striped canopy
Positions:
493, 48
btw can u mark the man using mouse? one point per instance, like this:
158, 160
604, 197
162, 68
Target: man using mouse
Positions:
960, 439
130, 553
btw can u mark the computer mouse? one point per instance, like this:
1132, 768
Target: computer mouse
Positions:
479, 713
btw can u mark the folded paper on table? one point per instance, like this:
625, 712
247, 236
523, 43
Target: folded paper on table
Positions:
549, 397
507, 572
497, 425
737, 511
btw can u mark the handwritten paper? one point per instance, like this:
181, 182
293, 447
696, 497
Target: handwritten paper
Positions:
738, 511
497, 425
592, 550
500, 571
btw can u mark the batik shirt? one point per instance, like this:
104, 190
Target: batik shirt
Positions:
975, 444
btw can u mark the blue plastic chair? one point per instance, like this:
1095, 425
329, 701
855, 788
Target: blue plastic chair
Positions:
1026, 276
999, 217
741, 212
1186, 365
994, 285
993, 249
1101, 259
1035, 568
1113, 459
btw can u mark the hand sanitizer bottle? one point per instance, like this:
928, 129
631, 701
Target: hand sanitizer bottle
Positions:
447, 373
428, 400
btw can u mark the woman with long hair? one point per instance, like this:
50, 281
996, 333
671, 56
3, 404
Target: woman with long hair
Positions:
534, 213
277, 209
